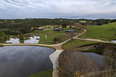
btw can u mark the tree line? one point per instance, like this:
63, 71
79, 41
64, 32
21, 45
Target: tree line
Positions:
16, 26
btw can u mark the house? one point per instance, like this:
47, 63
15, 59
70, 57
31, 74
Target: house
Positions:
70, 31
41, 29
58, 29
70, 26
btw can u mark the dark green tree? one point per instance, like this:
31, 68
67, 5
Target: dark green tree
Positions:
2, 37
21, 36
64, 25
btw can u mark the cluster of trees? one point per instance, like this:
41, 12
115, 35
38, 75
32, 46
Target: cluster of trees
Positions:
110, 60
16, 26
75, 64
3, 37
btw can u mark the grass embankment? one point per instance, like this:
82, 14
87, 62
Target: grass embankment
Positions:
104, 32
86, 46
75, 43
51, 34
47, 73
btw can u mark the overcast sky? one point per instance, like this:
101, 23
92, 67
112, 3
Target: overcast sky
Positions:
92, 9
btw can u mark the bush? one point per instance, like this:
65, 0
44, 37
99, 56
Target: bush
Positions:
110, 60
75, 64
62, 38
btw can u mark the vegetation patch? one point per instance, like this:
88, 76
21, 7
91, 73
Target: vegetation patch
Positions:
47, 73
75, 43
51, 35
82, 21
104, 32
95, 50
74, 64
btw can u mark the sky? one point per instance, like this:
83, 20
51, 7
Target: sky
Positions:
72, 9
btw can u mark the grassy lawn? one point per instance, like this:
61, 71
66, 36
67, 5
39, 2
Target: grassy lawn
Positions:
51, 34
47, 73
95, 50
104, 32
82, 21
49, 26
75, 43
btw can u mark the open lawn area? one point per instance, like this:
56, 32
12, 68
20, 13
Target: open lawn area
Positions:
47, 73
104, 32
49, 26
82, 21
51, 34
75, 43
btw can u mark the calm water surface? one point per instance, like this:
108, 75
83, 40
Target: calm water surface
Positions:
33, 39
23, 61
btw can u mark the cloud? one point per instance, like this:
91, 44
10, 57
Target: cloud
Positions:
56, 8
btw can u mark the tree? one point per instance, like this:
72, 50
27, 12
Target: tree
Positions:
21, 36
74, 63
2, 37
64, 25
110, 60
72, 34
55, 40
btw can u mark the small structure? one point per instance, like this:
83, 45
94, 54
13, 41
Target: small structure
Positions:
70, 26
70, 31
58, 29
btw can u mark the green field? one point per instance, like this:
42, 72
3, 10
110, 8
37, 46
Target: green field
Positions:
47, 73
104, 32
49, 26
75, 43
82, 21
51, 34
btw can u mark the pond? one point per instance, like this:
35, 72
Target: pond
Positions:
32, 39
114, 41
23, 61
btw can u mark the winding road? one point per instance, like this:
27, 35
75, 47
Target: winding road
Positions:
54, 57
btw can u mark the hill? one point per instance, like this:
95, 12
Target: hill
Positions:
103, 32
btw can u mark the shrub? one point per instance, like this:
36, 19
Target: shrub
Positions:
110, 60
75, 64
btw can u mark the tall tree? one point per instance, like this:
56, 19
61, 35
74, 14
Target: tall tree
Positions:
21, 36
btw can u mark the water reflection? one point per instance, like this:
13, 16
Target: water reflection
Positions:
114, 41
22, 61
15, 40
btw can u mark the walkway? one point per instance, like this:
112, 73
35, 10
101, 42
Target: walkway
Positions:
53, 57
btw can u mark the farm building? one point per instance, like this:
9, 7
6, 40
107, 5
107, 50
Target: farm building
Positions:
41, 29
58, 29
70, 26
70, 31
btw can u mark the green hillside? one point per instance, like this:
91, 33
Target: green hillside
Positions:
103, 32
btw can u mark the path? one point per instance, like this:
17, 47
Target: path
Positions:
53, 57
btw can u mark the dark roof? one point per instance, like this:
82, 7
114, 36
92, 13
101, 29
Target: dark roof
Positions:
68, 31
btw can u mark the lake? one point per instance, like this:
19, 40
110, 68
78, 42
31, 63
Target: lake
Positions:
23, 61
15, 40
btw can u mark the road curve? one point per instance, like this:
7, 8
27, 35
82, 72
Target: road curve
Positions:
54, 56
